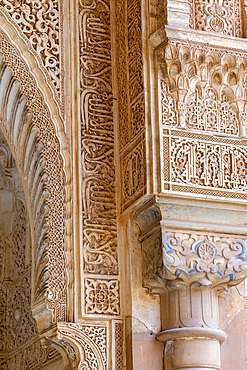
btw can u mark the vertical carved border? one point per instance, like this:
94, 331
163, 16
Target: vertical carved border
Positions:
118, 345
131, 110
100, 258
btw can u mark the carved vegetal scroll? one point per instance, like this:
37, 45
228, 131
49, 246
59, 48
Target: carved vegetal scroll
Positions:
131, 90
197, 268
31, 135
83, 346
217, 16
203, 119
98, 169
98, 192
40, 22
189, 270
218, 258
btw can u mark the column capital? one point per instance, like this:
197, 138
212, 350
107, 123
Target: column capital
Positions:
207, 258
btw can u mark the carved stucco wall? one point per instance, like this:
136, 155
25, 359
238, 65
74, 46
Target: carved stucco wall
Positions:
115, 167
130, 102
20, 346
40, 27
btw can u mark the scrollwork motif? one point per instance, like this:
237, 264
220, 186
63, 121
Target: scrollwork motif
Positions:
131, 116
90, 341
97, 132
216, 16
40, 23
102, 297
220, 259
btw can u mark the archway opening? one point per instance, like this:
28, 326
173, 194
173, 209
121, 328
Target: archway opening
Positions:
20, 345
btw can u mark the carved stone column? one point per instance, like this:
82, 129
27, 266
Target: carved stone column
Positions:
189, 269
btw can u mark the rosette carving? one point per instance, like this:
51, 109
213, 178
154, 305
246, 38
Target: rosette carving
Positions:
190, 257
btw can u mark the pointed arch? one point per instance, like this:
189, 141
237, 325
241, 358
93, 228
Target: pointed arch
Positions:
30, 119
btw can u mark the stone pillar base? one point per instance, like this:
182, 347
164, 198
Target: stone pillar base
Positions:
193, 348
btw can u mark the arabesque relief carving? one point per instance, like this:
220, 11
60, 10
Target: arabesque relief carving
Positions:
89, 340
189, 270
40, 22
130, 89
42, 165
198, 268
102, 297
220, 259
20, 346
203, 118
217, 16
209, 163
98, 183
98, 167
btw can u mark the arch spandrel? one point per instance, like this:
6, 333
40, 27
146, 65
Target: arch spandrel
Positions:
32, 125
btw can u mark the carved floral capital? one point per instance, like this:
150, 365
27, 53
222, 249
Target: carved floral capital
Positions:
211, 260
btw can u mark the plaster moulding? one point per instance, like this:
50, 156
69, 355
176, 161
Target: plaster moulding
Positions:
182, 75
44, 39
86, 345
34, 132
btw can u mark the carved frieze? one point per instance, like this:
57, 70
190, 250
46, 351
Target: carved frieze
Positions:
131, 116
209, 163
40, 22
216, 16
202, 104
97, 135
133, 175
98, 168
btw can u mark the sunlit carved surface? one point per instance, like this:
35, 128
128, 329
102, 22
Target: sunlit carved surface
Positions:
20, 347
40, 23
203, 117
216, 16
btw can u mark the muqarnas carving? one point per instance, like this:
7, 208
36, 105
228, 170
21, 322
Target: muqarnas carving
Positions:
202, 97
